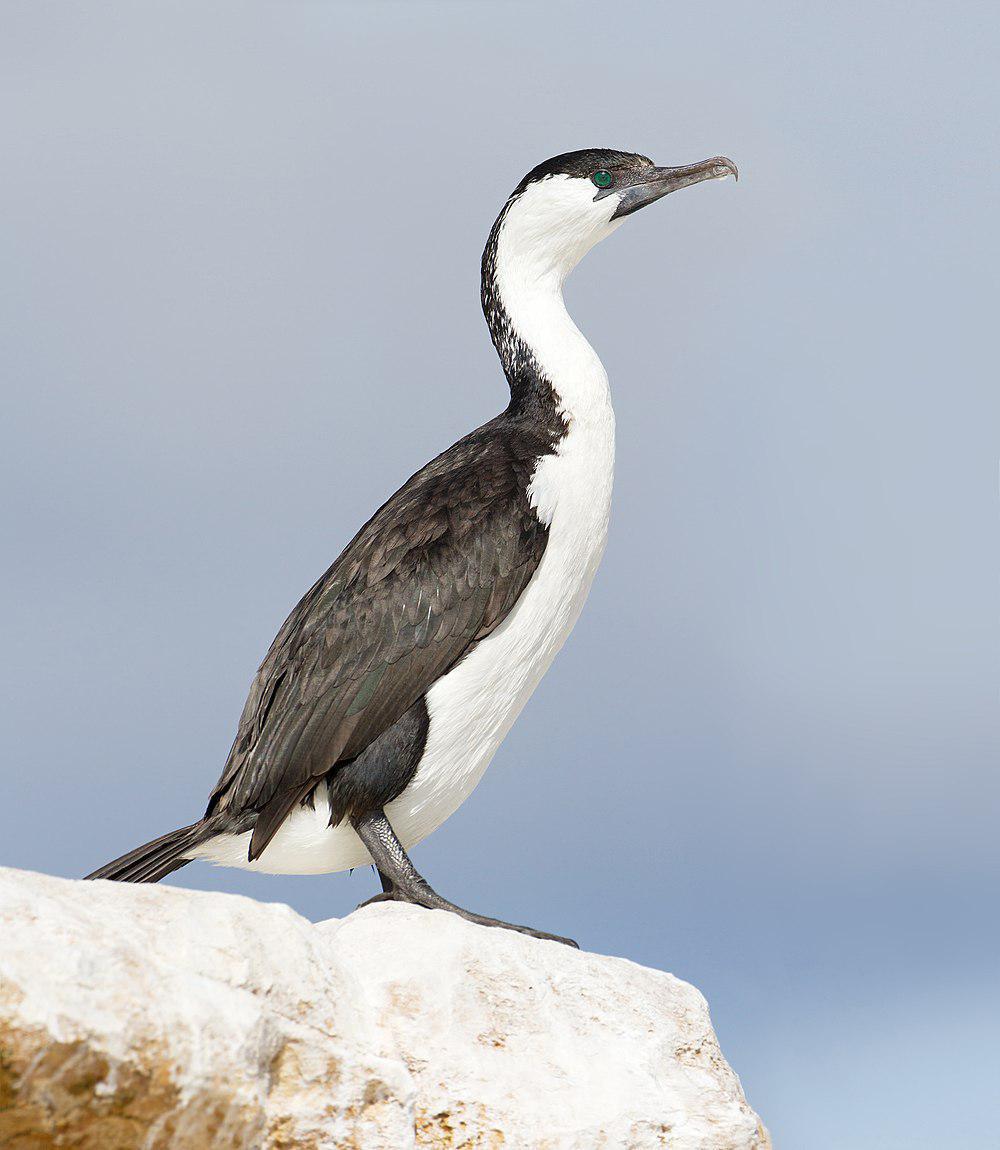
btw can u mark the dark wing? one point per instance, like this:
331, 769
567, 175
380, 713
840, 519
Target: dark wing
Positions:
437, 568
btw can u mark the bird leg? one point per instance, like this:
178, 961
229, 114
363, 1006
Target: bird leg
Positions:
401, 882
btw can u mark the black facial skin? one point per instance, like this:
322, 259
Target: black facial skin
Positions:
637, 181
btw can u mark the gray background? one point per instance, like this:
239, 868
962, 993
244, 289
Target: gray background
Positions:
240, 254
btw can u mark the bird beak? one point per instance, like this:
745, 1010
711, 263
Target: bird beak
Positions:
663, 181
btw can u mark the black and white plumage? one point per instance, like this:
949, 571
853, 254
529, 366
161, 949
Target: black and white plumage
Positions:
390, 686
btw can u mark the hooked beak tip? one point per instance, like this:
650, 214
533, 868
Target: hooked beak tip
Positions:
717, 168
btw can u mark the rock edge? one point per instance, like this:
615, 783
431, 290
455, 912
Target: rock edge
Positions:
155, 1017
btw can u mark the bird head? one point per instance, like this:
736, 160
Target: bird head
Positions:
567, 204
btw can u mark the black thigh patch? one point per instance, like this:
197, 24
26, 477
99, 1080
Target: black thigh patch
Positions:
382, 771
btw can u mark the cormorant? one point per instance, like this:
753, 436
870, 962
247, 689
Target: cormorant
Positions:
393, 682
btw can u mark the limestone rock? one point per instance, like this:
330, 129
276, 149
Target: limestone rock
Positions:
153, 1017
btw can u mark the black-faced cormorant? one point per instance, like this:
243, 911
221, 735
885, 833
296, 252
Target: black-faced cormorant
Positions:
389, 688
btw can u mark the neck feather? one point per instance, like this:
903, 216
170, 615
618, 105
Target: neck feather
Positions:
553, 372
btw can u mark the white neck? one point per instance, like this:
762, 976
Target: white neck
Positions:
535, 253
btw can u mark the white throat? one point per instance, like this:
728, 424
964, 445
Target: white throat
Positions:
544, 235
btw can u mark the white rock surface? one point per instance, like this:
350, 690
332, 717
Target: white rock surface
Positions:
136, 1016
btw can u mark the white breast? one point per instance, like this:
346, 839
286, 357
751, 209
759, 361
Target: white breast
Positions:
473, 707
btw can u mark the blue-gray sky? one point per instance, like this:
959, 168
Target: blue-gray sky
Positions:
239, 267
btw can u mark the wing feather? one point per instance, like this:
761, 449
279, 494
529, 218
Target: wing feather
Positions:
437, 568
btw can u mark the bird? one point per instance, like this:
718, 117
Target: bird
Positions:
392, 683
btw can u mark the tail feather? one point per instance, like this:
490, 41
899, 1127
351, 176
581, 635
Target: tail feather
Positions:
153, 860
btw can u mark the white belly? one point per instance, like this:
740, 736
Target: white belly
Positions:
473, 707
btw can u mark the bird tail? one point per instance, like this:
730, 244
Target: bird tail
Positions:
152, 861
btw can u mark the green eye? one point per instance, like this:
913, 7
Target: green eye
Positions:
603, 179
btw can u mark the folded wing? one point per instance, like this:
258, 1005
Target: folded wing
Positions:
437, 568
